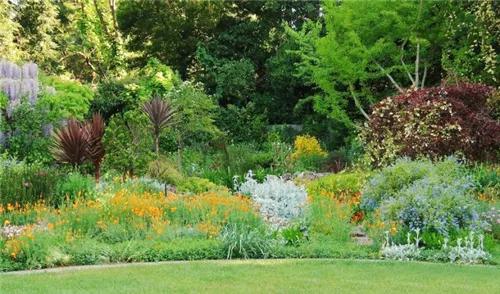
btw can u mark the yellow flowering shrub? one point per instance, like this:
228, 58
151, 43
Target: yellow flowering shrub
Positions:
306, 145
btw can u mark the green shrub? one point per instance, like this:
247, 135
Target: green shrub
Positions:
186, 249
25, 183
75, 186
166, 171
129, 146
345, 184
487, 181
29, 138
88, 251
70, 98
198, 185
242, 124
130, 184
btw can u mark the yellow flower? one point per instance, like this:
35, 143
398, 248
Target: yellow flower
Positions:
394, 229
306, 146
6, 222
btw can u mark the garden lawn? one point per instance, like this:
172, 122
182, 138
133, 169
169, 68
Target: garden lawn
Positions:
261, 276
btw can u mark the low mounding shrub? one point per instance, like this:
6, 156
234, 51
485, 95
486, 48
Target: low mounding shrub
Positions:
435, 198
279, 201
198, 185
165, 171
433, 122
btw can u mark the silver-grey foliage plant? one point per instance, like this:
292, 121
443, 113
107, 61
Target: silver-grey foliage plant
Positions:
279, 201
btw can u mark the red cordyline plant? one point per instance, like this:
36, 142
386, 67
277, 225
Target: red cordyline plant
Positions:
161, 114
76, 143
95, 146
434, 122
70, 143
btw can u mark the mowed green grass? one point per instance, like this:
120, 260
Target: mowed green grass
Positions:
262, 276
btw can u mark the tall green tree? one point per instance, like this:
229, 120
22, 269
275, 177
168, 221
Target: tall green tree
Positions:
471, 46
90, 43
167, 30
9, 30
366, 50
39, 25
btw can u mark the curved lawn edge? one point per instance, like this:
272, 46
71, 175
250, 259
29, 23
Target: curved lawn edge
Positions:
268, 261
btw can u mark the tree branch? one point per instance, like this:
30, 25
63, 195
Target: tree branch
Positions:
112, 6
423, 78
357, 103
101, 19
417, 62
390, 78
404, 64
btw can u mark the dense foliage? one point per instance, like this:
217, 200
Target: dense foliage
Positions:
434, 122
166, 130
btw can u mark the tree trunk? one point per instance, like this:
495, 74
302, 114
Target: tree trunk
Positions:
97, 172
157, 146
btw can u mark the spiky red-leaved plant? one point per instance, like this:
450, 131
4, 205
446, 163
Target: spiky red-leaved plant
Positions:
161, 114
70, 143
95, 146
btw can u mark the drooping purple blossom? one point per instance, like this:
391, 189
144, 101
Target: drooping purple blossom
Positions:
17, 82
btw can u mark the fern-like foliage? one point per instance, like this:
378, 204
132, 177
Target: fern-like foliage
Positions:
161, 114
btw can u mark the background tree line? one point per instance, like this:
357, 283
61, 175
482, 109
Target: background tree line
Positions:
321, 65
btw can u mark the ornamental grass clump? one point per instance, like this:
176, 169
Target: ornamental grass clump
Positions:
279, 201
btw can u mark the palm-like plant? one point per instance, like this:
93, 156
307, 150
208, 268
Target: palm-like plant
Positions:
71, 143
95, 147
161, 114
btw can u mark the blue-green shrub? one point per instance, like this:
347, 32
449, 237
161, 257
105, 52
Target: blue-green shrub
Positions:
433, 197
